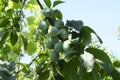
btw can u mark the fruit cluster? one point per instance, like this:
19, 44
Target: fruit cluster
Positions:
59, 35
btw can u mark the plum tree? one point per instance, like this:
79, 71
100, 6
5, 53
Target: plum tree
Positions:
58, 50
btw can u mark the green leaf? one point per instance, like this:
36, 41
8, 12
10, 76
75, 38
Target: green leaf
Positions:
25, 43
70, 69
3, 38
83, 75
1, 33
4, 22
58, 14
48, 3
85, 37
57, 3
99, 54
16, 24
44, 75
39, 67
115, 74
89, 30
117, 64
77, 25
31, 47
106, 66
13, 37
17, 1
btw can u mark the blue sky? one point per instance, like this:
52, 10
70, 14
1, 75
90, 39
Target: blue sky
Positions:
101, 15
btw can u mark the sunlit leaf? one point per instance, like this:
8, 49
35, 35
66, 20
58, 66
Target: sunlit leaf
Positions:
58, 14
57, 3
48, 3
31, 47
117, 64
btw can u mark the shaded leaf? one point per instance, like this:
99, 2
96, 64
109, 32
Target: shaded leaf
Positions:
57, 3
83, 75
70, 69
48, 3
106, 66
115, 74
58, 14
39, 67
89, 30
25, 43
1, 33
4, 22
13, 37
44, 75
3, 38
17, 1
99, 54
75, 24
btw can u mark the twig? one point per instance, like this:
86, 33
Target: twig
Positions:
23, 4
39, 4
29, 63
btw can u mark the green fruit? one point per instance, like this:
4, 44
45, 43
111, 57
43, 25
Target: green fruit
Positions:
66, 45
63, 33
59, 23
58, 47
54, 56
53, 31
51, 42
47, 12
42, 25
49, 45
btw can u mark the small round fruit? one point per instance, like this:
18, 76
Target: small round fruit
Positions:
59, 23
54, 56
53, 40
63, 33
49, 45
42, 25
66, 45
53, 31
58, 47
46, 12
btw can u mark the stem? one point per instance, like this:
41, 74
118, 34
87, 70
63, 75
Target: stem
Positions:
39, 4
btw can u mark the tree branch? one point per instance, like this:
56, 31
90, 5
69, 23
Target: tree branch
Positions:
41, 7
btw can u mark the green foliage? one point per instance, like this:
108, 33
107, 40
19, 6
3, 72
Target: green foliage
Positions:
57, 3
58, 50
